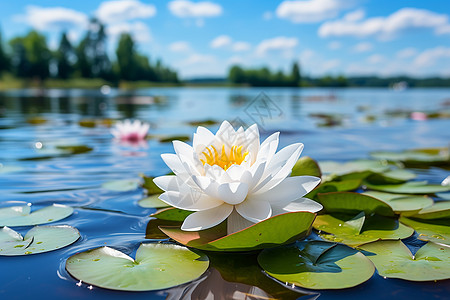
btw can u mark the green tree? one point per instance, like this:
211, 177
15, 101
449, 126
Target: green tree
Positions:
236, 74
64, 58
4, 60
127, 57
296, 75
31, 56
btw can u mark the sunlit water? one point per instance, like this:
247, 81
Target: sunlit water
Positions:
363, 120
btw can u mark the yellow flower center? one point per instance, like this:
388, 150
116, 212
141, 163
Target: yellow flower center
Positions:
213, 157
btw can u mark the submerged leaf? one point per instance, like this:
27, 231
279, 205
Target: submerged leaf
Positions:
394, 260
22, 215
157, 266
317, 265
39, 239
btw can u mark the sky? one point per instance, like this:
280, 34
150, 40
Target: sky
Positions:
205, 38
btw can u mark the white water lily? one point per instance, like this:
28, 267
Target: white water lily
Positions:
128, 131
232, 176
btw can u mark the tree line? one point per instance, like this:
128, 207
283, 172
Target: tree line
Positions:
264, 77
29, 57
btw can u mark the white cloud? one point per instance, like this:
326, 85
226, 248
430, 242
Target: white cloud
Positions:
362, 47
310, 11
123, 10
330, 65
334, 45
386, 27
307, 55
240, 46
406, 53
220, 42
139, 31
268, 15
53, 18
354, 16
375, 59
280, 43
429, 57
180, 46
187, 9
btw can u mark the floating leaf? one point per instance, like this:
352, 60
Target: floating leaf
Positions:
152, 202
395, 176
121, 185
357, 166
171, 138
351, 203
10, 169
334, 186
317, 265
207, 122
152, 230
39, 239
440, 210
306, 166
402, 203
172, 214
417, 157
150, 186
157, 266
21, 216
412, 187
74, 149
437, 231
336, 228
394, 260
271, 232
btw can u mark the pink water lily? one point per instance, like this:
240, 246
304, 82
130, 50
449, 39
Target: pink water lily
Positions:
230, 175
128, 131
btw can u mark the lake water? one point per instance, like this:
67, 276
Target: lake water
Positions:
334, 124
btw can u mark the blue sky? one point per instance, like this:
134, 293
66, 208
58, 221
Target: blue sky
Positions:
204, 38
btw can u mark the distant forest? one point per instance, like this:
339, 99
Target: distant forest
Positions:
29, 57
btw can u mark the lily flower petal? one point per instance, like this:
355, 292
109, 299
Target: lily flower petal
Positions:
254, 210
205, 219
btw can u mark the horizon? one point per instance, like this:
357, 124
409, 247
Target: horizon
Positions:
204, 39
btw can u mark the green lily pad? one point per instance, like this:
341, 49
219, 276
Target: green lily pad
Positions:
334, 186
357, 166
351, 203
317, 265
75, 149
171, 214
121, 185
152, 202
395, 176
150, 186
440, 210
306, 166
412, 187
157, 266
394, 260
437, 231
22, 215
402, 203
171, 138
416, 157
153, 232
38, 240
337, 228
277, 230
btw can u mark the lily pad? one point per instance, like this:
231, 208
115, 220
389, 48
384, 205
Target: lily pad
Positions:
121, 185
344, 229
412, 187
157, 266
394, 260
351, 203
437, 231
171, 138
306, 166
22, 215
150, 186
416, 157
38, 240
75, 149
152, 202
317, 265
171, 214
10, 169
402, 203
272, 232
440, 210
395, 176
357, 166
335, 186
